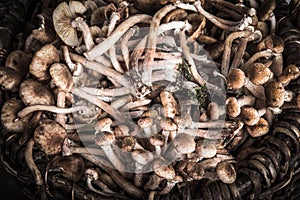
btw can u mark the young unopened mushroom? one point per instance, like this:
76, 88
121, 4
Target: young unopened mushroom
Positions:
169, 103
206, 148
214, 111
236, 80
182, 144
276, 94
35, 93
233, 105
259, 129
10, 80
9, 119
42, 60
259, 74
49, 137
145, 123
157, 140
291, 72
226, 172
19, 61
250, 115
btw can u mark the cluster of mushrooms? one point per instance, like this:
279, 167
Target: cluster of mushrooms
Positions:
137, 98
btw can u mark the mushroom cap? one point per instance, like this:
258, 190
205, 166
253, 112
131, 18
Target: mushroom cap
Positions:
274, 91
104, 138
62, 19
10, 80
226, 172
145, 122
98, 16
184, 143
259, 129
103, 125
42, 60
195, 170
163, 169
128, 143
232, 107
291, 72
259, 74
213, 111
157, 140
49, 137
206, 148
275, 43
249, 115
168, 125
72, 166
142, 156
35, 93
19, 61
61, 76
9, 115
236, 79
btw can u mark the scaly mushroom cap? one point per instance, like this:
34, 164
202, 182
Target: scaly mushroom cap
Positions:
61, 76
62, 19
49, 137
168, 125
213, 111
10, 80
206, 149
275, 43
9, 118
226, 172
184, 143
259, 74
19, 61
163, 170
103, 125
72, 167
236, 79
275, 94
145, 122
157, 140
195, 170
42, 60
35, 93
142, 156
249, 115
259, 129
128, 143
290, 73
232, 107
104, 138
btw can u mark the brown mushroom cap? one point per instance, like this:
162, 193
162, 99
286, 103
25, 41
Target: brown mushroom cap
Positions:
63, 15
195, 170
274, 91
72, 166
213, 111
10, 80
19, 61
35, 93
236, 79
145, 122
232, 107
259, 74
163, 169
206, 148
128, 143
142, 156
9, 118
49, 137
275, 43
104, 138
259, 129
157, 140
103, 124
226, 172
61, 76
183, 143
291, 72
42, 60
249, 115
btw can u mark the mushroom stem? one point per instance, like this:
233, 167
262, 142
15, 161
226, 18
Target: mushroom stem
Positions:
87, 36
266, 53
107, 92
60, 102
124, 47
101, 48
54, 109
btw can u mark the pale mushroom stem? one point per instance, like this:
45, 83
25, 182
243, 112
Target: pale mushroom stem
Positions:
266, 53
87, 36
101, 48
60, 102
107, 92
151, 43
124, 47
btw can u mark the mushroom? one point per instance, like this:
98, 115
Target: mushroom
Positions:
35, 93
259, 74
10, 80
214, 111
49, 137
291, 72
206, 148
276, 94
234, 105
66, 20
169, 103
9, 119
182, 144
226, 172
250, 115
145, 123
169, 129
236, 80
157, 140
259, 129
42, 60
19, 61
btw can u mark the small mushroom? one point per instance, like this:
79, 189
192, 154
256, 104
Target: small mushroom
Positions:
19, 61
259, 74
42, 60
61, 77
206, 148
259, 129
10, 80
233, 105
9, 118
169, 103
145, 123
157, 140
214, 111
226, 172
49, 137
291, 72
35, 93
276, 94
250, 115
